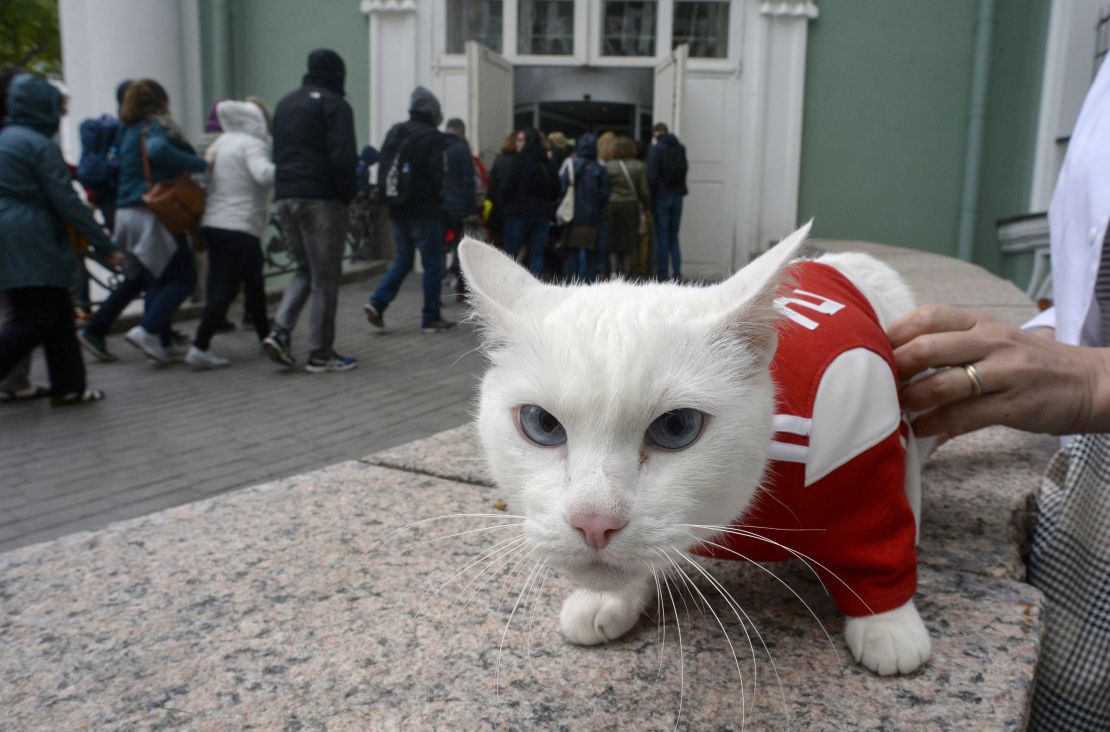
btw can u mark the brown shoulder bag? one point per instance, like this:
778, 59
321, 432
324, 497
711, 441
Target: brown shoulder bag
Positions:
177, 203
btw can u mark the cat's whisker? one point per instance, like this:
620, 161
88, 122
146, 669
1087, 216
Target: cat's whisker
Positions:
470, 531
538, 595
506, 570
506, 555
499, 546
745, 620
807, 560
508, 623
828, 637
661, 617
455, 363
681, 659
736, 660
446, 516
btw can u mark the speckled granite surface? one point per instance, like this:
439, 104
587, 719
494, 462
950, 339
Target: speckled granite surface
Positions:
281, 607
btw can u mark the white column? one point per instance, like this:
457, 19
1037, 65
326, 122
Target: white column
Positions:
394, 51
787, 26
111, 40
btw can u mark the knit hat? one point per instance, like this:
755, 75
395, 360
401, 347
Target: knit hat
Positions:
326, 69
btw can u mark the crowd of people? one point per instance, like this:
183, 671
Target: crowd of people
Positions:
603, 207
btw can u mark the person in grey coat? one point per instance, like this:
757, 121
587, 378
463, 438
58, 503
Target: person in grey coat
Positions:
37, 201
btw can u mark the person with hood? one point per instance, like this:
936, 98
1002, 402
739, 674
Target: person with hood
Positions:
315, 156
529, 193
37, 201
495, 221
666, 174
417, 220
591, 195
241, 176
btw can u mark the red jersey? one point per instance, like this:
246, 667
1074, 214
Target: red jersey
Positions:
837, 465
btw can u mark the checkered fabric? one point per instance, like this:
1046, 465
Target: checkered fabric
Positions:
1070, 563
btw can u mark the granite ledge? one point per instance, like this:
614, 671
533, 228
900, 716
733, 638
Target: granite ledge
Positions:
297, 604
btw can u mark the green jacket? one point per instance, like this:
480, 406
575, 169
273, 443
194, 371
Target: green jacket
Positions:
36, 194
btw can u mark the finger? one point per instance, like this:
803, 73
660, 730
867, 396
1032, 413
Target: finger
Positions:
938, 350
930, 319
943, 387
959, 418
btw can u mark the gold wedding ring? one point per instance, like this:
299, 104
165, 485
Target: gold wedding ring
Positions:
977, 384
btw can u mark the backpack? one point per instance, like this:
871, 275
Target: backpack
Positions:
395, 167
674, 165
99, 164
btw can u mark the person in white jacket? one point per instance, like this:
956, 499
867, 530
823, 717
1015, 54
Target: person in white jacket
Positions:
241, 178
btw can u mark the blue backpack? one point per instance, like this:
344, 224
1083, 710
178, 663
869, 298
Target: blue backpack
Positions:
98, 168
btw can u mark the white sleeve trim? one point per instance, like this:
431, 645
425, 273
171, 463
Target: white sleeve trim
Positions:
856, 408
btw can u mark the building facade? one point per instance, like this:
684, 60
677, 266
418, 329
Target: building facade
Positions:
914, 124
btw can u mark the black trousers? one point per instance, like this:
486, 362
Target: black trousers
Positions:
44, 316
233, 257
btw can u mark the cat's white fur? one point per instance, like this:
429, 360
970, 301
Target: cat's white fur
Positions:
606, 360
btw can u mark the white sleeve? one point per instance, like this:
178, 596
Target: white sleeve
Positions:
1044, 319
856, 408
259, 163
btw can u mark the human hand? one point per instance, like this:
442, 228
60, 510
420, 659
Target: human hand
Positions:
1030, 382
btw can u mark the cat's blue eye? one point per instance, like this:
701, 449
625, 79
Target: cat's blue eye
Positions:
541, 427
676, 429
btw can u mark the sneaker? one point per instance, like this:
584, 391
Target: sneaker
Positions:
373, 316
335, 363
277, 348
438, 326
148, 343
204, 359
96, 345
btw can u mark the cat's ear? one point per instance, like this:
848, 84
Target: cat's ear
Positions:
495, 280
749, 295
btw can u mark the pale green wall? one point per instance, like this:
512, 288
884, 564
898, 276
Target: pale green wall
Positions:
270, 41
885, 120
886, 115
1017, 68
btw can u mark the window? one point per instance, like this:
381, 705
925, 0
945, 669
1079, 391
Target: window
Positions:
545, 28
704, 25
628, 28
473, 20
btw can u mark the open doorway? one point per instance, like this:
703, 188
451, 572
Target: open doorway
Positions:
573, 118
574, 100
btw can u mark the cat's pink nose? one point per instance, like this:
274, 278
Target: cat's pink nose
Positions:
596, 529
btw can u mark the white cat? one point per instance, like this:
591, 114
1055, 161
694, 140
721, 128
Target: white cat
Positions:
638, 421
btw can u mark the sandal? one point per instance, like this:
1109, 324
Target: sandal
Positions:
67, 400
22, 395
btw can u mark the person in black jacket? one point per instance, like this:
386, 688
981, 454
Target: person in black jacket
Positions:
418, 219
529, 191
666, 174
315, 157
460, 194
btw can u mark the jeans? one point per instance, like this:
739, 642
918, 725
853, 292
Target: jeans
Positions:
410, 236
233, 257
529, 230
316, 230
44, 315
667, 211
165, 294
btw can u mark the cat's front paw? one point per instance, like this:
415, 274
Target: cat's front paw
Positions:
590, 617
894, 642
